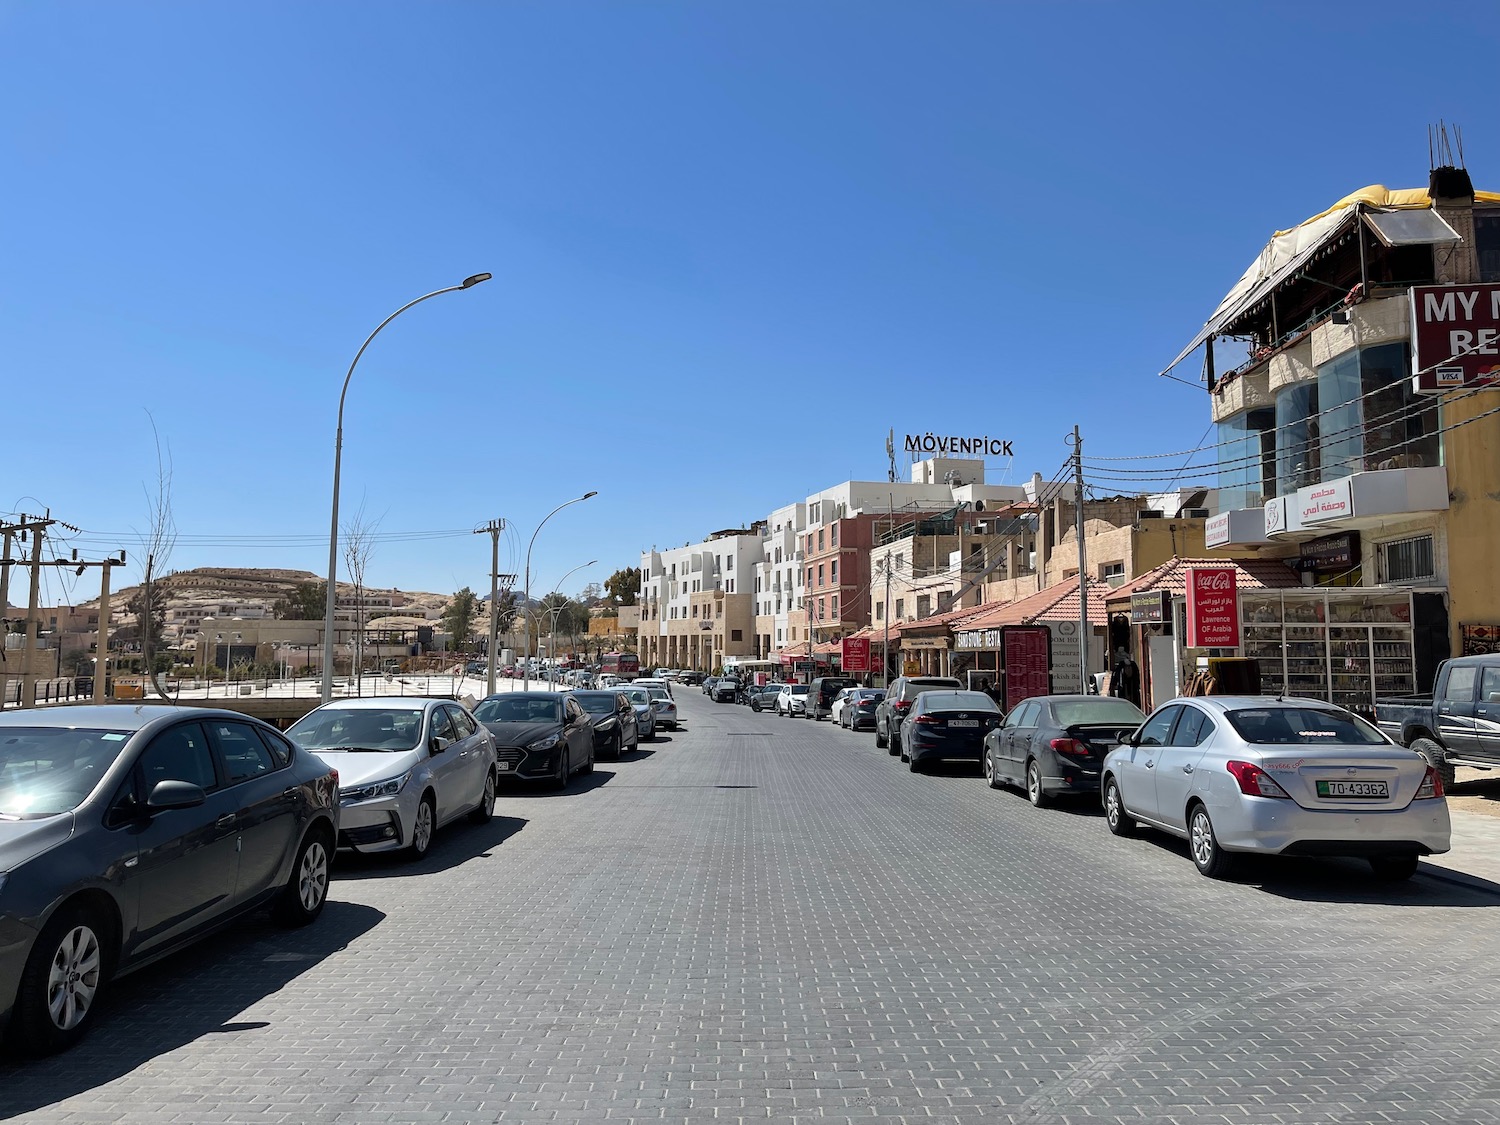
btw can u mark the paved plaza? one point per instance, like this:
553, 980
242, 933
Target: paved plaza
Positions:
764, 919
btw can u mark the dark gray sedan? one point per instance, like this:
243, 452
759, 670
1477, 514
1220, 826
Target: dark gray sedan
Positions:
128, 832
540, 735
1054, 744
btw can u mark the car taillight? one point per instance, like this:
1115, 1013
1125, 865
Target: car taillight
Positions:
927, 720
902, 705
1070, 746
1432, 786
1254, 781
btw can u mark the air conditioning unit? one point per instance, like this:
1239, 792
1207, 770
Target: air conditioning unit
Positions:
1149, 514
1193, 514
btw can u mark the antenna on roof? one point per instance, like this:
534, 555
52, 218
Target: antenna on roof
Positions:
890, 454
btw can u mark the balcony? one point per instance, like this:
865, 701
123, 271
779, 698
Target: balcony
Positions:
705, 624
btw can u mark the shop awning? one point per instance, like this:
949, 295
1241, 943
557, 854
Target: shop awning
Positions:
1056, 603
1171, 576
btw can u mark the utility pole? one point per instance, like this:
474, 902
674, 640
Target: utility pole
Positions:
33, 616
8, 531
1083, 573
494, 527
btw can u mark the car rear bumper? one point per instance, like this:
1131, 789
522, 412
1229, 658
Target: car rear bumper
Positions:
1060, 776
918, 751
1278, 826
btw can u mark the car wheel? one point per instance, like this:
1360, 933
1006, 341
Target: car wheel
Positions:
306, 890
615, 749
486, 808
422, 828
1034, 791
59, 989
1208, 856
990, 777
898, 747
1120, 822
651, 733
1393, 868
588, 765
1433, 755
893, 736
912, 763
564, 768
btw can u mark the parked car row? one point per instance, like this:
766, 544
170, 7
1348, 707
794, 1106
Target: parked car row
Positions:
129, 832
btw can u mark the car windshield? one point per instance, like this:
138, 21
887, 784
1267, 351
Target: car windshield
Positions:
658, 693
638, 695
49, 770
392, 729
518, 709
1302, 726
596, 702
1101, 710
731, 681
871, 696
957, 701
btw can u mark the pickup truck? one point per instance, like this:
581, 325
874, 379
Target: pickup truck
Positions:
1459, 724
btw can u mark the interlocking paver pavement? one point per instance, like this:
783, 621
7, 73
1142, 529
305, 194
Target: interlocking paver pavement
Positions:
769, 920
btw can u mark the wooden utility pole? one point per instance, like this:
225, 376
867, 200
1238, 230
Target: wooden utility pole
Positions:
8, 531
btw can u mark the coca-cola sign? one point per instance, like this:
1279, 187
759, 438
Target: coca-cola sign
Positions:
1213, 607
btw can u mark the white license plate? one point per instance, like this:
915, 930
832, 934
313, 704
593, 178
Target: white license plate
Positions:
1370, 790
503, 766
963, 722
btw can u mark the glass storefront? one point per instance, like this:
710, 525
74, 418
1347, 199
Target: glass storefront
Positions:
1248, 454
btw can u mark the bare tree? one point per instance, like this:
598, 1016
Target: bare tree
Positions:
157, 542
359, 545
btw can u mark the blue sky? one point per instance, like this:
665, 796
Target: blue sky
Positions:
733, 245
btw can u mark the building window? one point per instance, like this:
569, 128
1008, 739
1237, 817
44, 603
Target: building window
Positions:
820, 539
820, 575
809, 576
924, 606
833, 535
808, 549
835, 607
1113, 573
736, 635
822, 608
1297, 449
900, 607
834, 573
880, 611
1248, 444
1406, 560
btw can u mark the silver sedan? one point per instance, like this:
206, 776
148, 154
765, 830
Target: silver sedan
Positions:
1235, 774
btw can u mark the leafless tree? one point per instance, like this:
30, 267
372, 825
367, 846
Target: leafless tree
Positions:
157, 542
359, 544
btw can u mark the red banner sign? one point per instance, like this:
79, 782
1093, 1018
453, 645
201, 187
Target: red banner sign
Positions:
1213, 607
1028, 662
1455, 332
856, 655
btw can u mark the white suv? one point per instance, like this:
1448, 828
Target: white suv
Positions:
792, 700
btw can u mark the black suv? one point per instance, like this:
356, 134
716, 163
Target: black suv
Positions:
897, 702
822, 693
726, 690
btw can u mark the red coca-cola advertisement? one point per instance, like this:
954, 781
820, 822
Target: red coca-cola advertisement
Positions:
1213, 607
856, 655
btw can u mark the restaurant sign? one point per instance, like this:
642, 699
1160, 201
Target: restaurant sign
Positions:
972, 639
855, 655
1028, 662
1455, 332
1213, 609
1332, 552
1150, 607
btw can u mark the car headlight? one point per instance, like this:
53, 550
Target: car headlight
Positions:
387, 788
544, 743
607, 723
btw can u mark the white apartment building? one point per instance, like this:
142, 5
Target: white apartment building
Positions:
778, 581
697, 602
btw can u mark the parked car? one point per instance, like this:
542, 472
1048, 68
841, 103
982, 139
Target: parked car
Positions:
615, 727
609, 680
692, 679
407, 767
1054, 744
859, 708
652, 681
227, 814
726, 690
791, 699
645, 713
1281, 776
708, 684
823, 692
947, 726
897, 702
539, 735
1459, 724
661, 701
762, 697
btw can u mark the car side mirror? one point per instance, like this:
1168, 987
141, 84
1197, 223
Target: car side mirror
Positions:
167, 795
436, 744
1135, 738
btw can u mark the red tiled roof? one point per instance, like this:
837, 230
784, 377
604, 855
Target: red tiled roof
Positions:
1250, 574
1056, 603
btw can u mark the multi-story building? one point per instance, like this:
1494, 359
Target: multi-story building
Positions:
698, 602
778, 582
1371, 468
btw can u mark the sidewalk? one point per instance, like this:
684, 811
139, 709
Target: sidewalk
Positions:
1476, 848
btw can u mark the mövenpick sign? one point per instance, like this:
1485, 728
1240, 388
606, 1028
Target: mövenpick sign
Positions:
1213, 607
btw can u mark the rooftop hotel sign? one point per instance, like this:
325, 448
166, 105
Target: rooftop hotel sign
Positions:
1455, 332
949, 445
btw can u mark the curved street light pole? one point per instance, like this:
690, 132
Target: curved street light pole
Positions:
338, 452
526, 617
555, 613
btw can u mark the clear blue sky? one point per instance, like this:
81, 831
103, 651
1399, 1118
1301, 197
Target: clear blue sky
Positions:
733, 244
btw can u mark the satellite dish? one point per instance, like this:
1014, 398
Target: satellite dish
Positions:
979, 505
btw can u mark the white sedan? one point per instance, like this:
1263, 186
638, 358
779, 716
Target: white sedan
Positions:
1237, 774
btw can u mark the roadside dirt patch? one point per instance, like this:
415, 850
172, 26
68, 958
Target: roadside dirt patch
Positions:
1476, 791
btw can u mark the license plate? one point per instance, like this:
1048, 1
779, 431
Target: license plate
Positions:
963, 722
503, 766
1372, 790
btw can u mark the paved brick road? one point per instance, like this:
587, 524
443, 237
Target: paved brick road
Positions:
769, 920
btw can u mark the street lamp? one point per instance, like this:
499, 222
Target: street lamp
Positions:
525, 619
555, 611
338, 450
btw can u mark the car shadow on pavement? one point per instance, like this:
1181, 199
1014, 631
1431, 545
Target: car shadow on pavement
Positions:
200, 991
451, 846
1319, 879
642, 752
579, 783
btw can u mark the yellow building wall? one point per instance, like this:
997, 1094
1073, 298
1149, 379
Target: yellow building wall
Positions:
1472, 456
